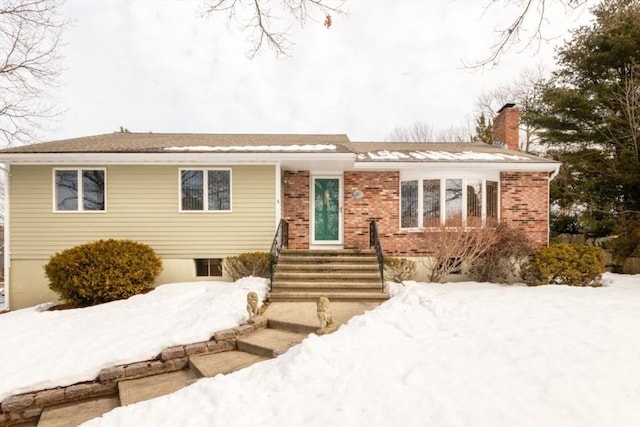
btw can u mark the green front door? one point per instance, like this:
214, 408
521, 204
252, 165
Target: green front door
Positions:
326, 196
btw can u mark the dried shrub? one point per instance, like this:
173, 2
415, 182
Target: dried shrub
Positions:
452, 245
399, 269
102, 271
565, 264
504, 256
254, 264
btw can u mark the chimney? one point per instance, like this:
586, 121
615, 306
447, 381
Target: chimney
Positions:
506, 127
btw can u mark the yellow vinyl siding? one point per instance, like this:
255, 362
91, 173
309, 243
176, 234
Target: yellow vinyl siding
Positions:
142, 204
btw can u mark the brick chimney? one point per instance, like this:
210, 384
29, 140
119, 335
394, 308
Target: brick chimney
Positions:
506, 127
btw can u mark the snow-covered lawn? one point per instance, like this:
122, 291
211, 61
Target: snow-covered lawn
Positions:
467, 354
41, 349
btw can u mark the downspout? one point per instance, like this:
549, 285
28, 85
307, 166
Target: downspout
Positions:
552, 175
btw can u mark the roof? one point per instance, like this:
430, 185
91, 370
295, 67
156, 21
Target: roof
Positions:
129, 142
304, 151
439, 151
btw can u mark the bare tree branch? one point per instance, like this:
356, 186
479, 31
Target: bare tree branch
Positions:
526, 92
510, 36
424, 132
30, 33
259, 17
452, 246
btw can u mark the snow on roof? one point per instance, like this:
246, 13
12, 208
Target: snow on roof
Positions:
254, 148
386, 155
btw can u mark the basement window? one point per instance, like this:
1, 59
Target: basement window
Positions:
454, 265
208, 267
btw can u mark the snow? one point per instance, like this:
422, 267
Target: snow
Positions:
456, 354
42, 349
437, 155
463, 354
257, 148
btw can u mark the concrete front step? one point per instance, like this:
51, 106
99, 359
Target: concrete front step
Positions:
210, 365
328, 276
331, 285
276, 296
341, 259
327, 253
76, 413
132, 391
302, 317
333, 266
269, 342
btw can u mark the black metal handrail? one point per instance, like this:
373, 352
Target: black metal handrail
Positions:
374, 242
280, 240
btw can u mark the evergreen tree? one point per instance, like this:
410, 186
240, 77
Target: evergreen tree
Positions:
590, 117
484, 129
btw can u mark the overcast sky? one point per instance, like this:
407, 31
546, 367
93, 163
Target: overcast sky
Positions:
158, 66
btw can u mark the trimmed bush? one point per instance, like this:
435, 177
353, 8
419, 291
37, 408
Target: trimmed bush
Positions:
503, 257
565, 264
102, 271
254, 264
399, 269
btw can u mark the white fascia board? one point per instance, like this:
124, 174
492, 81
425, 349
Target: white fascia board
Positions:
552, 167
165, 158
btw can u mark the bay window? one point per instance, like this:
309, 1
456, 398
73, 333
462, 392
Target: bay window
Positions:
449, 201
431, 202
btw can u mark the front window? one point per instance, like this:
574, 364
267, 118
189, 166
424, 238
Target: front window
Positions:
431, 202
492, 199
474, 202
214, 183
79, 190
409, 197
453, 202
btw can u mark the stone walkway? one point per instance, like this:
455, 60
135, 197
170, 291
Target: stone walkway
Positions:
288, 324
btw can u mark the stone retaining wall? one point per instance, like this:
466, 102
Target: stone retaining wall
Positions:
27, 407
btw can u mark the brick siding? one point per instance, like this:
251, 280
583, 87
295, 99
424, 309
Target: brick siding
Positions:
524, 202
381, 201
296, 208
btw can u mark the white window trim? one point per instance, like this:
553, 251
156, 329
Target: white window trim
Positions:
443, 197
205, 182
81, 209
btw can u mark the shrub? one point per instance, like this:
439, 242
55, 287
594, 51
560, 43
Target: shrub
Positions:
451, 246
560, 224
503, 256
627, 244
399, 269
255, 264
565, 264
102, 271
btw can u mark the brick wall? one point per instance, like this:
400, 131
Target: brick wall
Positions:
380, 200
524, 203
296, 208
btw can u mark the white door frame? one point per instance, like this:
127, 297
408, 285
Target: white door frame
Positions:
312, 211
